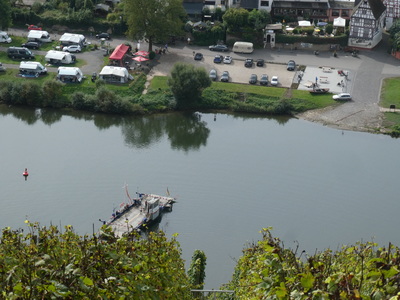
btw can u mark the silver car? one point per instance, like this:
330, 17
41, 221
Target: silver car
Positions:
213, 75
225, 76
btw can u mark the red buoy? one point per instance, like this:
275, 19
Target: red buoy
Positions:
25, 172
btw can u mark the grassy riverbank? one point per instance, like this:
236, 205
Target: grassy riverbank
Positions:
389, 97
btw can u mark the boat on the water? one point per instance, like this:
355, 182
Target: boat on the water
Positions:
139, 212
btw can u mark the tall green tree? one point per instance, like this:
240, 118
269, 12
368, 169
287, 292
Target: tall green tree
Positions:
187, 83
236, 19
258, 19
154, 20
5, 14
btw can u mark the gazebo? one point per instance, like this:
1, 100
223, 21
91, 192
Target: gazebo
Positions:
117, 57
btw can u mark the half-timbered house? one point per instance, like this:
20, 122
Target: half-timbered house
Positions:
367, 24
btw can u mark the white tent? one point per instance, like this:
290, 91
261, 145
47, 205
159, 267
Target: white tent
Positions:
115, 74
304, 23
339, 22
59, 57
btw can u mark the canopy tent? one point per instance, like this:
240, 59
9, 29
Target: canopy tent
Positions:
119, 53
304, 23
142, 53
339, 22
140, 58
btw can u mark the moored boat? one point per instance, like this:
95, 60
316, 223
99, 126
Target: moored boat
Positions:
140, 211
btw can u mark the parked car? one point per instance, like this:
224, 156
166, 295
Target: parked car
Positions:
260, 62
31, 45
103, 35
222, 48
34, 27
198, 56
213, 75
264, 79
218, 59
253, 79
291, 65
248, 63
227, 59
274, 80
225, 76
342, 97
72, 48
20, 53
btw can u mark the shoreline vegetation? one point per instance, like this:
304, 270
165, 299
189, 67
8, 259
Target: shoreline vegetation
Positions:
100, 97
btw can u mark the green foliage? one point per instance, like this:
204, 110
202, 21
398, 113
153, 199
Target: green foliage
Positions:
153, 19
267, 270
5, 14
290, 39
235, 19
258, 19
137, 86
52, 94
329, 28
196, 272
50, 263
187, 83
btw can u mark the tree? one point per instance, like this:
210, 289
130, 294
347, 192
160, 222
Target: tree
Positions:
197, 270
5, 13
187, 83
236, 19
258, 19
154, 20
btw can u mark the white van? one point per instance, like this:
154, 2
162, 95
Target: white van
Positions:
4, 38
31, 68
243, 47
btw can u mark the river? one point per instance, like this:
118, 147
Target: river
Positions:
232, 174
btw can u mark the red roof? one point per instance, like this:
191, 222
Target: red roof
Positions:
119, 52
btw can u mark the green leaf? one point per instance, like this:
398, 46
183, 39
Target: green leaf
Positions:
87, 281
307, 281
390, 273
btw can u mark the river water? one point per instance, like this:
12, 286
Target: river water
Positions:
232, 174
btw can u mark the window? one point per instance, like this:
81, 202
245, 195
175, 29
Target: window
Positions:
335, 13
264, 3
345, 13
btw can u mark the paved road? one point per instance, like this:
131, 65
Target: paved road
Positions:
366, 74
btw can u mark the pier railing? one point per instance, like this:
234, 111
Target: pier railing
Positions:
212, 294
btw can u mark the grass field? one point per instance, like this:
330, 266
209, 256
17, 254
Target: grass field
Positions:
390, 92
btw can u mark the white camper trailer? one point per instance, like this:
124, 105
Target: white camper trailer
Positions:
69, 75
31, 69
72, 39
59, 57
39, 36
115, 74
4, 38
243, 47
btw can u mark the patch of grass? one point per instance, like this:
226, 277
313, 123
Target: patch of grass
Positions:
390, 92
159, 82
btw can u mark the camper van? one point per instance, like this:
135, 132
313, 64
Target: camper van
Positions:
4, 38
39, 36
59, 57
19, 53
31, 68
69, 75
243, 47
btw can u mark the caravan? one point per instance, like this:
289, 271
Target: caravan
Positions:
31, 68
73, 39
69, 75
4, 38
39, 36
59, 57
243, 47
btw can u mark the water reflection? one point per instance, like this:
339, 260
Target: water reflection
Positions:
185, 131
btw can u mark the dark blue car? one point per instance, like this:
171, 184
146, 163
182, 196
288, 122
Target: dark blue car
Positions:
218, 59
